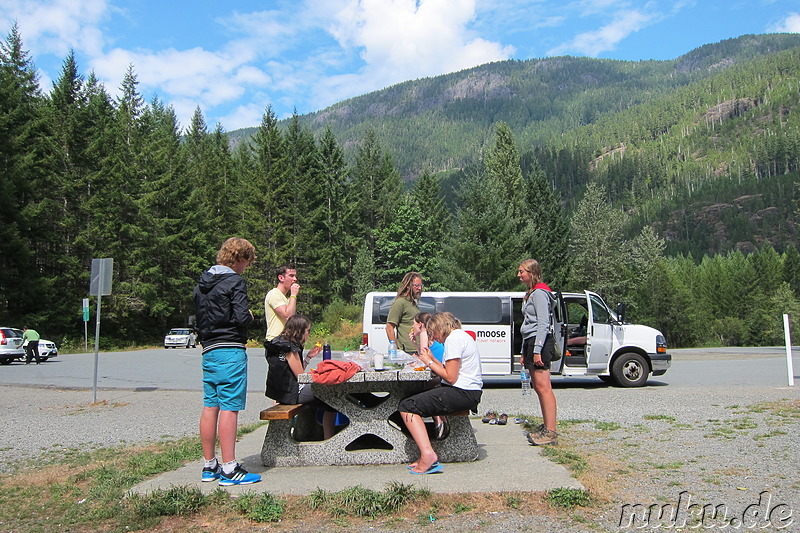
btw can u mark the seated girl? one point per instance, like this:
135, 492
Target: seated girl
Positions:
419, 336
284, 355
461, 386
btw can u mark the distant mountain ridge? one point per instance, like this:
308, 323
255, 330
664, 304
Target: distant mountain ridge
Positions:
439, 123
718, 126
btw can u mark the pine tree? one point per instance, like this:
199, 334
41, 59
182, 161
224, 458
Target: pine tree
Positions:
334, 260
545, 228
375, 188
428, 200
484, 247
23, 177
597, 246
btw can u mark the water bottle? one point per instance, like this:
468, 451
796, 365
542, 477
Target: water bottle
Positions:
392, 352
525, 379
326, 351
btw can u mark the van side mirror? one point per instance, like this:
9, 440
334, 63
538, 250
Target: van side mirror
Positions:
621, 312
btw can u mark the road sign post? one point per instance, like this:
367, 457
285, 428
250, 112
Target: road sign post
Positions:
99, 285
787, 334
86, 324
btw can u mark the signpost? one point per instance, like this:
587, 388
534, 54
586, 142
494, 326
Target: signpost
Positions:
99, 285
787, 334
86, 324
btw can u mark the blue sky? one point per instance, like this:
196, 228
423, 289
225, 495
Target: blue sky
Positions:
234, 58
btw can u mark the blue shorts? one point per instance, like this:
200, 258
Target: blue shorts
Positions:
225, 378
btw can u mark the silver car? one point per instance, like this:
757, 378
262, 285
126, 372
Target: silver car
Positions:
10, 345
180, 338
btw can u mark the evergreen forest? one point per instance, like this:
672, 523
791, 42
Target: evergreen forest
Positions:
669, 185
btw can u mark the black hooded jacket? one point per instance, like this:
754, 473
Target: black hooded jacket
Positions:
223, 312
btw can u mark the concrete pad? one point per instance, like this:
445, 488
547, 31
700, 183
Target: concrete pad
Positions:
506, 462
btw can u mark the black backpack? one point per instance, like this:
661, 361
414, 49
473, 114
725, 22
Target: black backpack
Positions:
555, 305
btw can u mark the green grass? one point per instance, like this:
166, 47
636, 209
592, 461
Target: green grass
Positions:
568, 498
362, 502
571, 460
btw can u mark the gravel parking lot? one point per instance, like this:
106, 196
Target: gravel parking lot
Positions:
734, 446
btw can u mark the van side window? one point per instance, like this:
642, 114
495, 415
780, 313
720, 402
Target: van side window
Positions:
380, 312
600, 312
472, 310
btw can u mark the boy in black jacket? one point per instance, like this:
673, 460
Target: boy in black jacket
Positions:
223, 316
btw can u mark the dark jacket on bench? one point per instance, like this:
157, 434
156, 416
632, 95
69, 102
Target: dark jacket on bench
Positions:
282, 384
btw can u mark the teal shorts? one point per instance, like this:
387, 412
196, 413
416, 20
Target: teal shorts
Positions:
225, 378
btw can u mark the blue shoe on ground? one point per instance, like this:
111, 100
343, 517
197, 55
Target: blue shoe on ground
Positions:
210, 473
239, 476
435, 468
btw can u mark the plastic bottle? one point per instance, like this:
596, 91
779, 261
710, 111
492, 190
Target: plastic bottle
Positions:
326, 351
525, 379
392, 351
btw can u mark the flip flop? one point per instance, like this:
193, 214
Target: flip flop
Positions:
435, 468
412, 467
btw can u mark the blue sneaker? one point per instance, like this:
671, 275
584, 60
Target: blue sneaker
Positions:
211, 473
239, 476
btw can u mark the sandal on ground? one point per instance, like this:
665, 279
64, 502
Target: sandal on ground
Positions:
412, 466
491, 415
435, 468
503, 419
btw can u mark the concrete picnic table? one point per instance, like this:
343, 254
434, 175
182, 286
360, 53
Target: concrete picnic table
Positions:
373, 433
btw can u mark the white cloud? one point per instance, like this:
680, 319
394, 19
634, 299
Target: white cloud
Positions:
56, 26
399, 40
791, 24
596, 42
244, 116
197, 75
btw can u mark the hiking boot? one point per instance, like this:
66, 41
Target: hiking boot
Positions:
239, 476
536, 433
210, 473
543, 438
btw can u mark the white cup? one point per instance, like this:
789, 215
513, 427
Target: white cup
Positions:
377, 361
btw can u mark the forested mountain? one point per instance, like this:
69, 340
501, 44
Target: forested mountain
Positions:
670, 185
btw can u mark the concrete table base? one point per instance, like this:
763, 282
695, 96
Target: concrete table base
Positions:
374, 435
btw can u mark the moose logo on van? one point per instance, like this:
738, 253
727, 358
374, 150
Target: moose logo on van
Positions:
490, 335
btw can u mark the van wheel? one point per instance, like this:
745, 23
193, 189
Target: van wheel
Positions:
630, 370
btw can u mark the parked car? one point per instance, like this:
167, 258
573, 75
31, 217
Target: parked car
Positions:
180, 338
47, 349
10, 345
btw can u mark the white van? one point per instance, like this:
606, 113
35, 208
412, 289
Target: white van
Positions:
598, 341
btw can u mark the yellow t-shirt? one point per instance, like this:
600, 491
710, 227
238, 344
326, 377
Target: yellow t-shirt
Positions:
274, 299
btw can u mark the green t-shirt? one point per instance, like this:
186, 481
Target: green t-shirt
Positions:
401, 314
30, 335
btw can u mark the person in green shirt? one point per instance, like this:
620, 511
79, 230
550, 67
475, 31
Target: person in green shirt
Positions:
402, 312
31, 342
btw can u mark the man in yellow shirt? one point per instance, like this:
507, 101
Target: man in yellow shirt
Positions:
281, 302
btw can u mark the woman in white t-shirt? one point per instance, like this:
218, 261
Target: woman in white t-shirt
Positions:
460, 391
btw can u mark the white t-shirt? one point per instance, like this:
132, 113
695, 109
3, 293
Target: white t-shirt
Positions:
460, 345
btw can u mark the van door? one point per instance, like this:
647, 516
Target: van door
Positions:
599, 338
